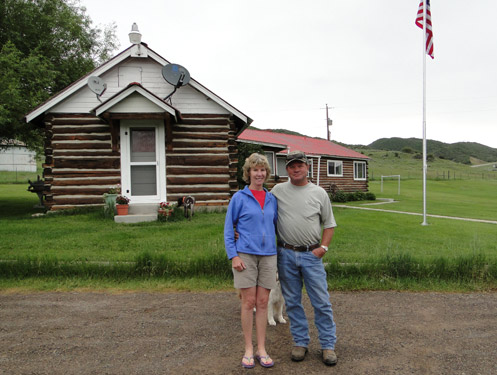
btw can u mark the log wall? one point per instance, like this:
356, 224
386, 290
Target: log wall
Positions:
80, 162
203, 160
346, 182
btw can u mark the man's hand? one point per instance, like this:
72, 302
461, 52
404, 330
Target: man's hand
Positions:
319, 252
237, 264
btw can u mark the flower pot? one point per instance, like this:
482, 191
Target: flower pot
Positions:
122, 209
166, 212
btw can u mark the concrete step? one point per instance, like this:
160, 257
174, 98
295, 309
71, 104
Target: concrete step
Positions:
143, 208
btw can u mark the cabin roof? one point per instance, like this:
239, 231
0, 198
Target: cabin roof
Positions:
116, 60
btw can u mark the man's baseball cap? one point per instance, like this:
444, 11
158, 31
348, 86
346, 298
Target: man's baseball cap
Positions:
296, 156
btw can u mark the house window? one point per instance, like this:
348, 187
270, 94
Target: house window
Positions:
335, 168
270, 159
281, 166
360, 170
311, 162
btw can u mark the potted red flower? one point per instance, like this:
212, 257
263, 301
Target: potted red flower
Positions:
122, 205
165, 210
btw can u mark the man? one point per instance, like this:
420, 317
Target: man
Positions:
303, 209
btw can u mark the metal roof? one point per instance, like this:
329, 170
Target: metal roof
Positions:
311, 146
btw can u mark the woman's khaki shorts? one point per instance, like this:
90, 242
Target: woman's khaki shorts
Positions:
260, 271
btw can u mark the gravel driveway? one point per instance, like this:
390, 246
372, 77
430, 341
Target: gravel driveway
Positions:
186, 333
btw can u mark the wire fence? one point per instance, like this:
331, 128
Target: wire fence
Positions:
439, 175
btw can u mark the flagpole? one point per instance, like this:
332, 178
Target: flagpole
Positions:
425, 167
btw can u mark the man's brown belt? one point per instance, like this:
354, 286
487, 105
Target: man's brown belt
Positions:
299, 248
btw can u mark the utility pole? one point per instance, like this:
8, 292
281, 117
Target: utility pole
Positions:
328, 123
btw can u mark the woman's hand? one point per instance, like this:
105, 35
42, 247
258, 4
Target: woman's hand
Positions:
237, 264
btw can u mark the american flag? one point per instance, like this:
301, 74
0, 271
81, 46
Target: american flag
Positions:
429, 31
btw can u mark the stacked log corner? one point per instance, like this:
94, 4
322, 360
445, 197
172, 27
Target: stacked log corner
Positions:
81, 163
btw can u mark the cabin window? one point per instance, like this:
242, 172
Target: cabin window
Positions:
270, 159
360, 170
311, 164
335, 168
281, 166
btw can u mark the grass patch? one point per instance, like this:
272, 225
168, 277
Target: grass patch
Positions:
370, 250
461, 198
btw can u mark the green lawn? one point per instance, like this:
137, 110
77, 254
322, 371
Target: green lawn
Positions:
90, 236
360, 234
475, 199
363, 235
186, 249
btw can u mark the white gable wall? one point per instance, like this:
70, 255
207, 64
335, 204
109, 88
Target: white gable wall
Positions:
186, 99
136, 103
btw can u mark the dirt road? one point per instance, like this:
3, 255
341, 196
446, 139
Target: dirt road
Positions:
186, 333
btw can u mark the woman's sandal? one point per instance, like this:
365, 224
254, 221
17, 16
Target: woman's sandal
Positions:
265, 361
250, 363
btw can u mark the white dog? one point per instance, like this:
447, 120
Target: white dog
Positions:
275, 306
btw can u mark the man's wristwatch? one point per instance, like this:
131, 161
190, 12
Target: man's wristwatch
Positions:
325, 248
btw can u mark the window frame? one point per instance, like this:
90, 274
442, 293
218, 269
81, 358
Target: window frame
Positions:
271, 165
285, 174
363, 168
340, 162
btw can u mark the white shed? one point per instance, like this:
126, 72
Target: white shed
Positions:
16, 157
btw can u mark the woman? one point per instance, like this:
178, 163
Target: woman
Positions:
253, 212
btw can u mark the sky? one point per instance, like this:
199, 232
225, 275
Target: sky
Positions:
281, 62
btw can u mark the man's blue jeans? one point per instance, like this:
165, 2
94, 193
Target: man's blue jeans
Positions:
298, 268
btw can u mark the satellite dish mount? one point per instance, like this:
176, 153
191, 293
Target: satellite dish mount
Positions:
98, 86
175, 75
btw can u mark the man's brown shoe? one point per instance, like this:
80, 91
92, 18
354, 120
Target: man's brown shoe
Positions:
329, 357
298, 353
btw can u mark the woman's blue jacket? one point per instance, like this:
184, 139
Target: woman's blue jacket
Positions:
256, 226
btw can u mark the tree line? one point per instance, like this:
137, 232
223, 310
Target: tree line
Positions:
45, 45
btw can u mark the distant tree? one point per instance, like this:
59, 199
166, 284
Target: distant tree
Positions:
407, 150
24, 83
45, 45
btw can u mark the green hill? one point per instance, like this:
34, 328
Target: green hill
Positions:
460, 152
410, 166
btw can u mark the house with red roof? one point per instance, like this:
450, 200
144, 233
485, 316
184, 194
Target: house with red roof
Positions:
331, 165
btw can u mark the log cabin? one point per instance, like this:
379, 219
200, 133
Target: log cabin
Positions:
156, 146
331, 166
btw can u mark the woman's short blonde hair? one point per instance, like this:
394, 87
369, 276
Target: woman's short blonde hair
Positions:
255, 160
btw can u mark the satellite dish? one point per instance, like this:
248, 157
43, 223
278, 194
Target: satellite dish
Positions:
97, 86
176, 75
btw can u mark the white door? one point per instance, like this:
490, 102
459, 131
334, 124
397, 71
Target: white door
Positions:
143, 161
